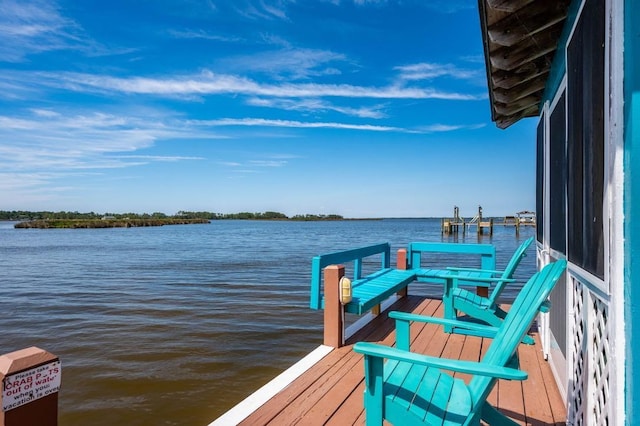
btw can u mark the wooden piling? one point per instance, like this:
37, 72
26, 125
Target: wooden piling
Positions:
333, 309
402, 264
30, 382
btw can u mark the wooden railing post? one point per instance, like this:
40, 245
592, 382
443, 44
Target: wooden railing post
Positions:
401, 263
333, 309
30, 383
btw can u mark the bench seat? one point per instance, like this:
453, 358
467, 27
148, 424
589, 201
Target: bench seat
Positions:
375, 288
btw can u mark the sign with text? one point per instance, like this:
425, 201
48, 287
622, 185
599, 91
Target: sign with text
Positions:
27, 386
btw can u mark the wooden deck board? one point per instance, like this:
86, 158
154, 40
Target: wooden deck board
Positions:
538, 409
331, 392
556, 404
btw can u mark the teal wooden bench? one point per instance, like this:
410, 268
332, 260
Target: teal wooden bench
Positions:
368, 291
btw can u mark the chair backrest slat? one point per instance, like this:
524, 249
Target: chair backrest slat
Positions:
510, 269
516, 324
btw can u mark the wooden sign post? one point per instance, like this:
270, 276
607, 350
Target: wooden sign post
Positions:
30, 382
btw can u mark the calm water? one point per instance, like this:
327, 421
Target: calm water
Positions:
174, 325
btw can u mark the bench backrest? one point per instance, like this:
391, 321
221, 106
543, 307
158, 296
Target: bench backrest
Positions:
487, 252
318, 263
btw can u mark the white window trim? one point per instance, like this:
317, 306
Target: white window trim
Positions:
614, 133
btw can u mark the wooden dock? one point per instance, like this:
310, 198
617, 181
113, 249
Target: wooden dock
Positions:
331, 391
457, 223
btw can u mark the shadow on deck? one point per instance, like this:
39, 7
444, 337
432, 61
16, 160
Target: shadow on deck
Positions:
331, 392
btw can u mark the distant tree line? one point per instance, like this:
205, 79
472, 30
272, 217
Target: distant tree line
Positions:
268, 215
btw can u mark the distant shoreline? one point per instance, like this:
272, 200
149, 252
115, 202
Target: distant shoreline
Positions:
135, 223
103, 223
68, 219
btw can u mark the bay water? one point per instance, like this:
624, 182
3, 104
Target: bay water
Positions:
174, 325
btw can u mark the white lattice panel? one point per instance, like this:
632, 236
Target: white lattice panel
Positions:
601, 351
590, 385
577, 397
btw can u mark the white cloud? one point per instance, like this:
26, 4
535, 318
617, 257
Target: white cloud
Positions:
261, 9
288, 63
161, 158
261, 122
208, 83
474, 59
314, 105
29, 27
268, 163
275, 40
365, 2
429, 71
435, 128
44, 112
201, 34
43, 145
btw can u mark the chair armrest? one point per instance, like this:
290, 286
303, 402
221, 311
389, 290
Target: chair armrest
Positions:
487, 271
490, 331
468, 367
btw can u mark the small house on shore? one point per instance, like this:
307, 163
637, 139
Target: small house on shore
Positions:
573, 64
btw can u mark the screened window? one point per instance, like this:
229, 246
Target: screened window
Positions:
557, 177
585, 143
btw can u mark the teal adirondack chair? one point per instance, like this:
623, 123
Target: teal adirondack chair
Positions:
485, 309
415, 389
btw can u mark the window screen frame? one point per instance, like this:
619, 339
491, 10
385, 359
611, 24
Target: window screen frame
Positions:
587, 248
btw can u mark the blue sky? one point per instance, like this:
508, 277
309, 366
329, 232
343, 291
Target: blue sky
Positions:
352, 107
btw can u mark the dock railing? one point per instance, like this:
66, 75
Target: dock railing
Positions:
327, 271
318, 263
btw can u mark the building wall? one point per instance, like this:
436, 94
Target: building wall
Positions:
590, 364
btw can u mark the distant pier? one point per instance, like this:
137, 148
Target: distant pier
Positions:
458, 224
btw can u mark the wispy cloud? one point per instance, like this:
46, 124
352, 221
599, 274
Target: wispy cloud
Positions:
316, 105
366, 2
437, 128
29, 27
474, 59
201, 34
262, 122
289, 63
429, 71
161, 158
268, 163
440, 6
258, 165
261, 9
208, 83
32, 27
42, 145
